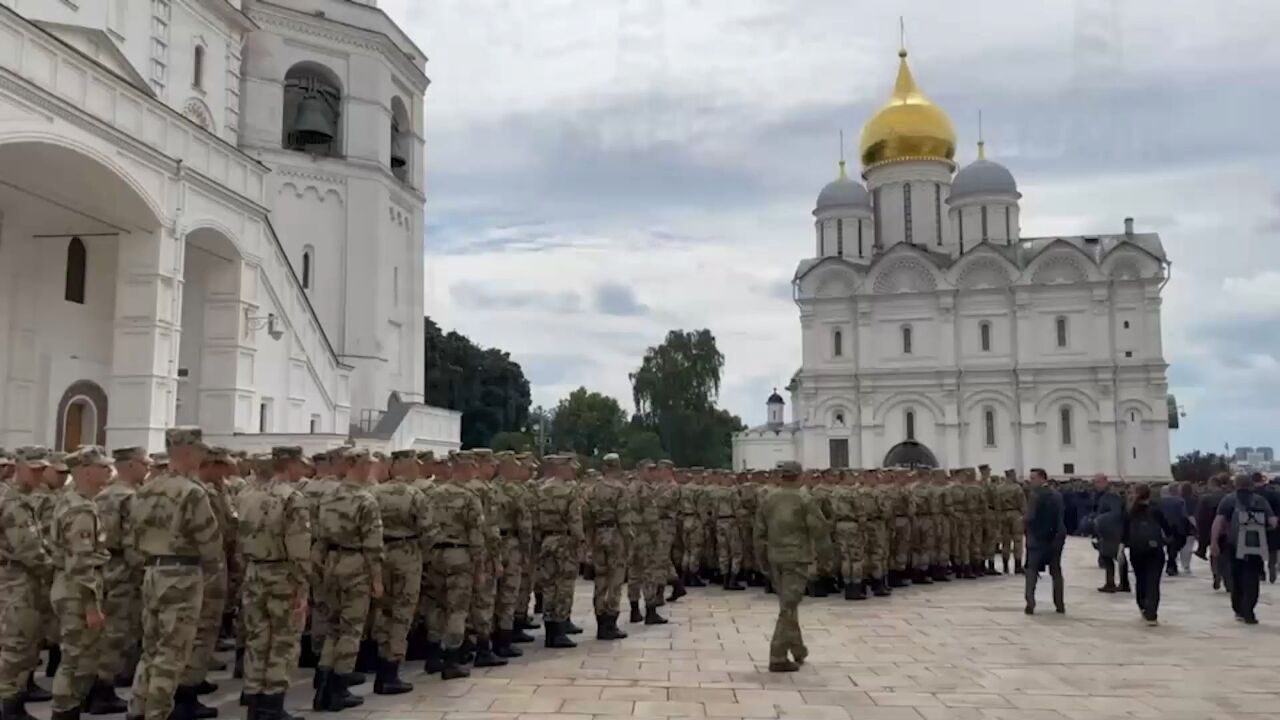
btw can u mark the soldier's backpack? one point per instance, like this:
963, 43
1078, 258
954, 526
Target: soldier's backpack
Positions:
1251, 528
1144, 532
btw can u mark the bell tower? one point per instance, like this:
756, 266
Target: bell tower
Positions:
332, 101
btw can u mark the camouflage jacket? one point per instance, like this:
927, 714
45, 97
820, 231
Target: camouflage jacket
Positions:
170, 515
20, 540
79, 550
349, 520
275, 526
403, 509
791, 528
607, 504
687, 499
511, 511
113, 513
455, 516
559, 511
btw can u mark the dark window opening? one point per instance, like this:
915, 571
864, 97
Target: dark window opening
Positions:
911, 425
77, 260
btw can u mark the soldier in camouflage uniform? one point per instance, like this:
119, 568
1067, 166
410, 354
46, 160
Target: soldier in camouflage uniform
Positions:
26, 563
117, 650
791, 530
174, 534
323, 482
924, 530
457, 533
405, 530
1011, 512
608, 524
651, 552
558, 519
849, 518
943, 515
515, 529
42, 503
748, 500
821, 575
483, 594
640, 491
274, 533
960, 525
667, 499
879, 517
79, 554
991, 530
726, 508
689, 503
976, 494
528, 570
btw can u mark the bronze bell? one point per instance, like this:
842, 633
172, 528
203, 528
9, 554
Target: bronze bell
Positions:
312, 124
399, 153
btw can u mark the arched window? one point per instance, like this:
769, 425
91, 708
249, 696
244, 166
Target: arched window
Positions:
1060, 326
1064, 417
401, 127
312, 110
989, 427
984, 332
911, 424
984, 223
822, 238
837, 343
307, 269
395, 287
197, 68
840, 237
77, 259
906, 339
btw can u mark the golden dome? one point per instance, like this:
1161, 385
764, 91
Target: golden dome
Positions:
908, 127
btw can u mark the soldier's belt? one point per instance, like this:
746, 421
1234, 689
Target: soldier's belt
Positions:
345, 548
263, 561
172, 561
450, 546
392, 539
116, 552
726, 517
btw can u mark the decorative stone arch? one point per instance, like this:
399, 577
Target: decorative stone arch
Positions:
826, 411
1053, 398
1127, 263
891, 403
1141, 408
833, 282
1059, 267
195, 110
904, 275
989, 397
85, 393
984, 271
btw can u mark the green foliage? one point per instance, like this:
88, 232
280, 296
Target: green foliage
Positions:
675, 390
588, 423
639, 444
514, 441
1196, 465
485, 384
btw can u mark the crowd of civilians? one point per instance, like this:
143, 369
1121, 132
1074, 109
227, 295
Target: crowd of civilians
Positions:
1230, 522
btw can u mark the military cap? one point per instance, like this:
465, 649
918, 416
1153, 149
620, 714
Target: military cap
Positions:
464, 456
92, 455
398, 455
644, 463
612, 460
504, 455
664, 462
218, 454
183, 436
355, 454
33, 456
482, 453
6, 458
160, 458
58, 461
322, 456
593, 473
554, 459
789, 467
426, 456
379, 455
287, 452
125, 454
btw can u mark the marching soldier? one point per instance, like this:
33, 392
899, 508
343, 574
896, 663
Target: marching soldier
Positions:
559, 528
404, 513
457, 532
515, 528
608, 525
118, 649
483, 597
25, 564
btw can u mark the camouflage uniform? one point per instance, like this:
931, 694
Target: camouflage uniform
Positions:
727, 511
849, 505
24, 563
315, 490
663, 570
903, 513
877, 537
608, 524
350, 527
274, 538
214, 602
1011, 512
924, 531
515, 529
791, 529
405, 518
961, 525
559, 529
174, 534
976, 495
651, 553
689, 503
748, 501
484, 587
528, 551
945, 519
121, 581
456, 533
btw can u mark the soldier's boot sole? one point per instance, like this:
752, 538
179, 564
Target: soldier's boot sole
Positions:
782, 666
571, 629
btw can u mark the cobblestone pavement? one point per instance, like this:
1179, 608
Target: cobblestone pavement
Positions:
950, 651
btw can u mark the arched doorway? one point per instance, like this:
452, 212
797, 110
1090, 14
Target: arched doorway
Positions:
910, 454
82, 416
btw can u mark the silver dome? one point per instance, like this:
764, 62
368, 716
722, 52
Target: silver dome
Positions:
843, 192
983, 177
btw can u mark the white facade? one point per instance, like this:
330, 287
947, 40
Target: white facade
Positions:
930, 318
171, 253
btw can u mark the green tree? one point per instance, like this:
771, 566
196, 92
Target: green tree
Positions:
485, 384
638, 444
588, 423
514, 441
675, 391
1196, 465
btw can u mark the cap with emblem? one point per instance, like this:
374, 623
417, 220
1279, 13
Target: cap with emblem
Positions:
126, 454
218, 454
397, 455
355, 454
33, 456
611, 460
789, 468
504, 455
287, 452
426, 456
58, 461
666, 463
183, 437
92, 455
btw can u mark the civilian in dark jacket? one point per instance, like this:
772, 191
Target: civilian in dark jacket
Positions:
1108, 523
1146, 549
1205, 514
1271, 492
1177, 522
1046, 534
1244, 569
1188, 493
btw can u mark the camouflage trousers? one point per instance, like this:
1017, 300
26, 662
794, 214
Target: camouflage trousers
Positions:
48, 618
924, 539
960, 541
729, 545
710, 553
448, 595
789, 583
20, 627
402, 584
638, 562
483, 593
747, 533
991, 533
690, 543
348, 585
1011, 533
558, 569
211, 607
664, 560
978, 530
509, 585
849, 544
171, 600
319, 605
528, 573
876, 545
272, 625
900, 542
78, 668
945, 526
123, 627
609, 557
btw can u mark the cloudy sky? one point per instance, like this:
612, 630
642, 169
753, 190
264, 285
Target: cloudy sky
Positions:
601, 171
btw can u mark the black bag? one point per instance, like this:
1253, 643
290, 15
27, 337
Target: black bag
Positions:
1145, 533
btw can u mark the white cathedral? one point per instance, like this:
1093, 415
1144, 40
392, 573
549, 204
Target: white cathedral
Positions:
933, 333
211, 212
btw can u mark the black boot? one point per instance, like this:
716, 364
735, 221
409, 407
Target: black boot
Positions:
896, 580
692, 580
651, 616
332, 695
435, 659
104, 701
768, 586
1017, 566
855, 591
72, 714
268, 707
636, 615
307, 656
55, 659
879, 587
606, 630
367, 657
502, 646
677, 591
467, 650
321, 682
537, 603
524, 623
520, 636
484, 654
416, 644
388, 681
920, 577
34, 693
237, 668
205, 688
991, 568
252, 704
818, 588
13, 708
733, 582
453, 669
570, 629
196, 710
556, 637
